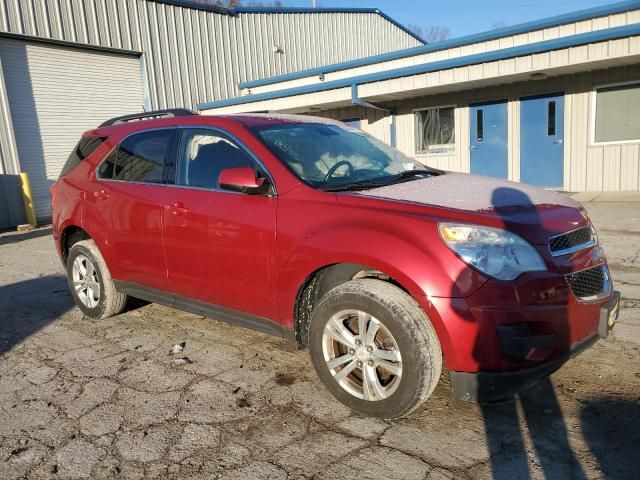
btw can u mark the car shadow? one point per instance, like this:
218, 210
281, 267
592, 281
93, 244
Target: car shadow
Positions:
30, 305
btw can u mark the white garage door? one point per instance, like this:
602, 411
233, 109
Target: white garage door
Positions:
55, 94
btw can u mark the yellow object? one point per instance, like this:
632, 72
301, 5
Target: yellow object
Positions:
27, 196
454, 234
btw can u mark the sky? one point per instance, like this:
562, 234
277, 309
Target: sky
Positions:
462, 17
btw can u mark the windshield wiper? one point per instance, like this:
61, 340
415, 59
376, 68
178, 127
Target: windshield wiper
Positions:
368, 184
352, 186
408, 174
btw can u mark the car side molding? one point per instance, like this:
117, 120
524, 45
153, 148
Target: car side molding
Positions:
215, 312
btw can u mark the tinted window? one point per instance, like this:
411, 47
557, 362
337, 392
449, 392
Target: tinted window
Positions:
205, 154
141, 157
85, 147
107, 167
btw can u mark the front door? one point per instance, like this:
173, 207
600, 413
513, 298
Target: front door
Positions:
220, 245
488, 135
541, 140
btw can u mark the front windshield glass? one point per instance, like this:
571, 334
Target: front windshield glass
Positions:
328, 156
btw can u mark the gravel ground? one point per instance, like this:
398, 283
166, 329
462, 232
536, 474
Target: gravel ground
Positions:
80, 398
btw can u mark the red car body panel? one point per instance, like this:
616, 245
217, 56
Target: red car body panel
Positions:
254, 253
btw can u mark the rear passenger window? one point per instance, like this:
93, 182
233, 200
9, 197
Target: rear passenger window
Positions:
85, 147
139, 158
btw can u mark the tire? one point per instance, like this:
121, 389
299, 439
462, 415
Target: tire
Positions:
96, 294
402, 325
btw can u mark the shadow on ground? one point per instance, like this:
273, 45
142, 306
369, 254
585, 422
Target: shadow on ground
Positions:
22, 236
610, 427
30, 305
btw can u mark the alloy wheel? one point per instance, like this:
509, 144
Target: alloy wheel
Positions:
362, 355
86, 281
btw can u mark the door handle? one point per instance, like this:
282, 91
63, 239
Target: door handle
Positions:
177, 208
101, 194
558, 141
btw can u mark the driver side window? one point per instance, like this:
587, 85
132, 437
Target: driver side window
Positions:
204, 154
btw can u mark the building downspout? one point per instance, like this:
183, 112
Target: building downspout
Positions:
390, 110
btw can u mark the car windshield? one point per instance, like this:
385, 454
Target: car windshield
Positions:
333, 157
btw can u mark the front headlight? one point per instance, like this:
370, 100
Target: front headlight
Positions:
498, 253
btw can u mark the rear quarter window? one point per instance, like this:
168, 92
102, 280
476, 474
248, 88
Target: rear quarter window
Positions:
85, 147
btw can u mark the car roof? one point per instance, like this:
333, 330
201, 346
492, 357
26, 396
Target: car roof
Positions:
259, 119
245, 119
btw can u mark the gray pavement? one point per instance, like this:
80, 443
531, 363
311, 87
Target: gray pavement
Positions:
81, 398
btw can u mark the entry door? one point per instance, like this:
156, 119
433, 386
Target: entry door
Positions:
488, 135
541, 140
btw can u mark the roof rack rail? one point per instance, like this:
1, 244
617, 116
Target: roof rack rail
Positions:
170, 112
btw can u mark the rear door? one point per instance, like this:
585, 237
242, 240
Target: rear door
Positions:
128, 196
220, 245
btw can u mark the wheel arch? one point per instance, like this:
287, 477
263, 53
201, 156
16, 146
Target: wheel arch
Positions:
71, 235
323, 279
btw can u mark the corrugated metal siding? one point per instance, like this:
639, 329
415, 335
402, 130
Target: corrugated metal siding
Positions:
193, 56
55, 94
587, 167
595, 24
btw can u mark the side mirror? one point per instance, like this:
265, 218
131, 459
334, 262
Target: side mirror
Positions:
243, 179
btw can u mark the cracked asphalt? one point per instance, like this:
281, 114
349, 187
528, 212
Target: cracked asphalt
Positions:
105, 399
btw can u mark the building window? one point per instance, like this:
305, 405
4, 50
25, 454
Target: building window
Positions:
616, 115
435, 130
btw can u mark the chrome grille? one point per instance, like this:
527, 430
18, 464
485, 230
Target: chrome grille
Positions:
590, 284
571, 241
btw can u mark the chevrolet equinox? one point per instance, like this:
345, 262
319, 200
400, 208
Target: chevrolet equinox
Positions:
307, 228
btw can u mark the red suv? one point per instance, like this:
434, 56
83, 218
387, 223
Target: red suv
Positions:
312, 230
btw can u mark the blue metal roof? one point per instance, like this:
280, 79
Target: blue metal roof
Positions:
503, 54
595, 12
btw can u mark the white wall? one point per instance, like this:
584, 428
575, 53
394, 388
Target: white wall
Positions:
587, 167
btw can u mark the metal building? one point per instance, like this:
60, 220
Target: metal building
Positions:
66, 65
552, 102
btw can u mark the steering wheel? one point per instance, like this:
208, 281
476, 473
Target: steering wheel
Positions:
333, 169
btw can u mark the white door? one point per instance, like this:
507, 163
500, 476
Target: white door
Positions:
55, 94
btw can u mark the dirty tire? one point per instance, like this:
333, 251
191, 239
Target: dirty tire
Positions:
411, 329
111, 301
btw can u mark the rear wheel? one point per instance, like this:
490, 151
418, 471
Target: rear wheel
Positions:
374, 348
90, 282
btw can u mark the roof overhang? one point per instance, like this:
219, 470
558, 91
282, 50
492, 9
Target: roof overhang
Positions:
565, 55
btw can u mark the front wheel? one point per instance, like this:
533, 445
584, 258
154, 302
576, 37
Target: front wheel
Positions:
374, 348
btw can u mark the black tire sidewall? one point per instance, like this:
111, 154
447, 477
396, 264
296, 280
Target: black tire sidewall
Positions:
98, 310
404, 398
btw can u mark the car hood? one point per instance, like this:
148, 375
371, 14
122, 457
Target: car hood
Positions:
532, 212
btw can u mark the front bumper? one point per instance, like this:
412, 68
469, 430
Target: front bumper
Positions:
487, 387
